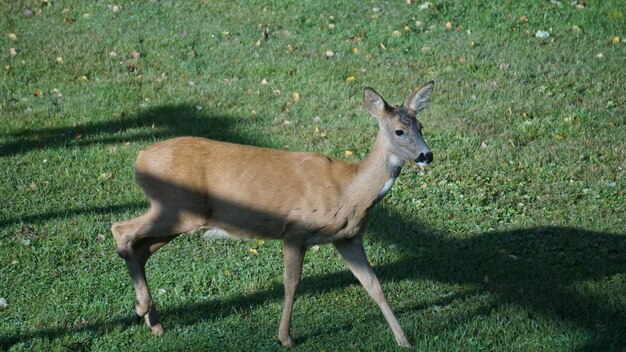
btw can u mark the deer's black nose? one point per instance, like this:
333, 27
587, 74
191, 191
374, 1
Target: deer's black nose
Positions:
425, 158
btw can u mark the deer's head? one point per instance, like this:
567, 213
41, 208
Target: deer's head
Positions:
400, 127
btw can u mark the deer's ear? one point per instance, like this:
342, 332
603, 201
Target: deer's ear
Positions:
420, 99
374, 103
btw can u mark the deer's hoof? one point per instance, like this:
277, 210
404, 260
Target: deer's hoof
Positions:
157, 330
286, 341
404, 343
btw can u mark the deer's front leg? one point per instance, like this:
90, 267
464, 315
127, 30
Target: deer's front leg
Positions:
293, 255
354, 255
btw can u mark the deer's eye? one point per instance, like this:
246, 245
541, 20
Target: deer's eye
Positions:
399, 133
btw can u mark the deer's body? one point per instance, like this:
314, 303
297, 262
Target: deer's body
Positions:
251, 192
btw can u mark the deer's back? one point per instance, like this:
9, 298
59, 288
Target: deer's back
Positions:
260, 189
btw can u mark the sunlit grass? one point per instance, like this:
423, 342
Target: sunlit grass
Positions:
512, 240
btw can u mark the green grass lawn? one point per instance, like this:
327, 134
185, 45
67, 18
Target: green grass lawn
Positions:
514, 239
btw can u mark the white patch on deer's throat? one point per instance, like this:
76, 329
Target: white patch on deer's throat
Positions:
394, 162
215, 233
386, 187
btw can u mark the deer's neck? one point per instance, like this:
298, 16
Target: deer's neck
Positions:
375, 174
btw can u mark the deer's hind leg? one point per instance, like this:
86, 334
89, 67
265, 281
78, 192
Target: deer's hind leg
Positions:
136, 240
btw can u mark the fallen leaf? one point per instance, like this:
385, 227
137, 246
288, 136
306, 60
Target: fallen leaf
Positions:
12, 51
523, 19
135, 54
396, 34
38, 92
69, 20
253, 251
105, 176
424, 6
264, 81
616, 40
448, 25
355, 50
348, 153
32, 186
295, 96
12, 36
329, 54
543, 35
350, 79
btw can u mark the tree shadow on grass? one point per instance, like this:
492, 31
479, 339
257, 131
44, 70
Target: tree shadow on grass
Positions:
150, 125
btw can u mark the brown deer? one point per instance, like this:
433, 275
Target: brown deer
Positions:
249, 192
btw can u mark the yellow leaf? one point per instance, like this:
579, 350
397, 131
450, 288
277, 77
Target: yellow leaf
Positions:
348, 153
406, 28
12, 36
355, 50
295, 96
253, 251
382, 46
260, 242
350, 78
448, 25
396, 34
38, 92
616, 40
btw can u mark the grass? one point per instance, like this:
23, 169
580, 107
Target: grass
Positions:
513, 240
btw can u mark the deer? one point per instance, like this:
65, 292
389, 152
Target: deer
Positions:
247, 192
